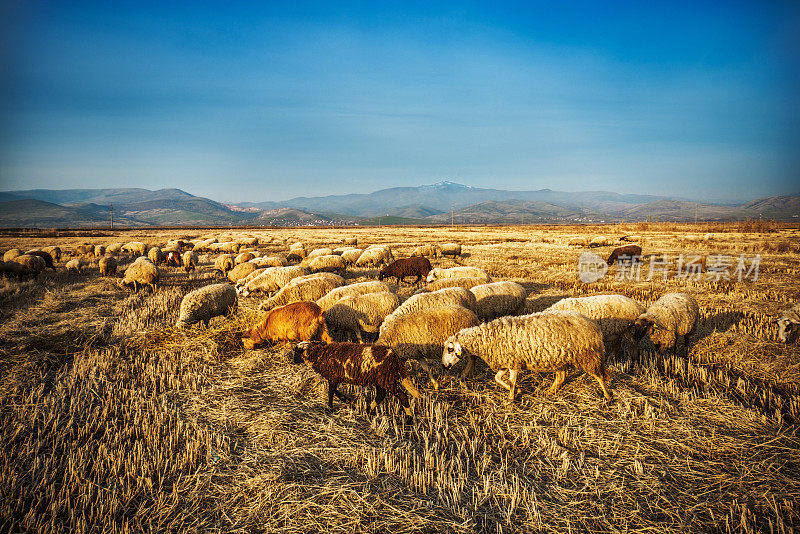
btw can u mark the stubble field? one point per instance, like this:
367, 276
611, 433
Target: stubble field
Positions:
112, 420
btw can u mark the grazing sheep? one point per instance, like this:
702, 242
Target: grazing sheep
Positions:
298, 321
458, 272
450, 249
272, 279
352, 241
270, 261
428, 251
293, 258
449, 296
241, 271
631, 238
399, 269
379, 255
141, 272
173, 259
600, 241
350, 256
83, 249
223, 264
35, 264
156, 255
205, 303
243, 257
297, 245
11, 254
420, 335
135, 248
787, 324
499, 299
360, 365
616, 315
10, 269
248, 241
352, 290
54, 251
317, 252
691, 238
465, 282
76, 265
308, 288
673, 315
114, 249
541, 342
108, 266
243, 281
578, 242
190, 260
327, 264
99, 250
628, 252
229, 247
361, 313
48, 259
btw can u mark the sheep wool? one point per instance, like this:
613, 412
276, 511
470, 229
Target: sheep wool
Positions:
458, 272
243, 257
351, 255
54, 251
498, 299
190, 260
205, 303
449, 296
317, 252
11, 254
352, 290
307, 288
136, 248
326, 264
673, 315
108, 266
788, 323
156, 255
578, 242
223, 264
270, 261
361, 313
272, 279
141, 273
241, 271
428, 251
441, 283
31, 262
450, 249
541, 342
75, 265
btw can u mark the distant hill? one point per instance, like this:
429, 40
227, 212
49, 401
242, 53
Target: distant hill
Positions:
31, 213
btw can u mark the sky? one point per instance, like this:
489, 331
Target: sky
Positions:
256, 101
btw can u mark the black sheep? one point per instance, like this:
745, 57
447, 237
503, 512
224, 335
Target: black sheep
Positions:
360, 365
415, 266
631, 252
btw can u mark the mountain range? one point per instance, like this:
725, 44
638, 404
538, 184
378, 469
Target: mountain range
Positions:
433, 204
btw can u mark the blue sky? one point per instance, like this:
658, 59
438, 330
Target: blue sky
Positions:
245, 101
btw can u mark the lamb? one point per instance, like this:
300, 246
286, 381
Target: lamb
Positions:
48, 259
326, 264
190, 260
350, 256
223, 264
108, 266
361, 365
317, 252
205, 303
458, 272
243, 257
298, 321
54, 251
429, 251
270, 261
708, 237
135, 248
272, 279
450, 296
352, 290
450, 249
307, 288
241, 271
173, 259
375, 256
361, 313
628, 252
787, 324
673, 315
600, 241
578, 242
420, 335
441, 283
11, 254
541, 342
616, 315
141, 272
99, 250
499, 299
418, 267
76, 265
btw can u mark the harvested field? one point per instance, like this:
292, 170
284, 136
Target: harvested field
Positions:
111, 419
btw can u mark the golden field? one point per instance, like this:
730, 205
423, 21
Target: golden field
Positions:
114, 421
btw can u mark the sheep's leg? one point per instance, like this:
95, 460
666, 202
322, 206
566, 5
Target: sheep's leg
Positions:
359, 336
469, 368
561, 376
380, 394
428, 369
616, 345
499, 379
332, 390
512, 380
401, 395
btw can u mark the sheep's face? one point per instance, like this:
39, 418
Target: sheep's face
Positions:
300, 352
786, 329
451, 354
642, 327
431, 276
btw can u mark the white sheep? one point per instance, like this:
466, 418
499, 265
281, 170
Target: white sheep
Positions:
351, 290
141, 272
241, 271
11, 254
441, 283
206, 302
549, 341
601, 241
361, 313
306, 288
108, 266
449, 296
458, 272
427, 251
450, 249
114, 249
326, 264
135, 248
319, 252
190, 260
378, 255
270, 261
498, 299
54, 251
616, 315
578, 242
156, 255
243, 257
351, 255
671, 316
272, 279
421, 335
223, 264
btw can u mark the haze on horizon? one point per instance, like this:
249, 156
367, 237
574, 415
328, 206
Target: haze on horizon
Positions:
268, 101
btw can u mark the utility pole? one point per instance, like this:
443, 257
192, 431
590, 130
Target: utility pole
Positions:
523, 220
112, 215
696, 207
452, 208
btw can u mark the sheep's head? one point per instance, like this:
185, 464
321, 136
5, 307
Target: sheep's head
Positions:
383, 274
642, 327
787, 329
452, 353
431, 276
300, 352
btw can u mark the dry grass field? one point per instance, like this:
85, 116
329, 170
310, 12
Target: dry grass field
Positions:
111, 420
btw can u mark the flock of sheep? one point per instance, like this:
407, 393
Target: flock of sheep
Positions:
460, 313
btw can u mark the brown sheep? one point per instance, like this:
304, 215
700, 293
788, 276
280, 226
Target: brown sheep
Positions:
399, 269
628, 252
298, 321
173, 259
